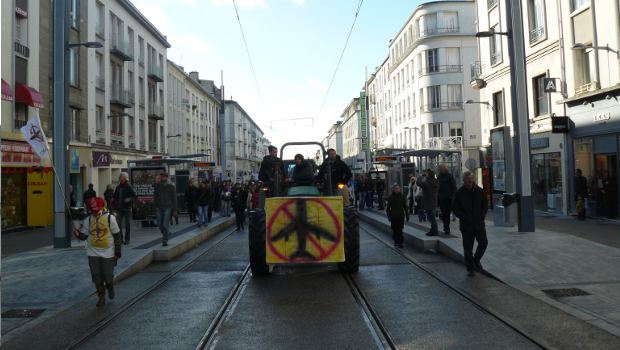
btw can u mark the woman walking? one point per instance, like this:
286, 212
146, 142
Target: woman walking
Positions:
202, 204
396, 211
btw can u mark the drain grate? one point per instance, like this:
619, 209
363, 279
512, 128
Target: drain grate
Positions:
565, 292
22, 313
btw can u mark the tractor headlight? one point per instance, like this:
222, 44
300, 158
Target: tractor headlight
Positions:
340, 186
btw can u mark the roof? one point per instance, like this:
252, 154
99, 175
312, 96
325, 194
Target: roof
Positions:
127, 5
192, 80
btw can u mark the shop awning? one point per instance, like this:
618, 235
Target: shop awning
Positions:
7, 93
28, 96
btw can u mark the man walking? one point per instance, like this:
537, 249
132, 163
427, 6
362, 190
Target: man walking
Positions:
447, 187
90, 193
396, 211
581, 194
430, 186
470, 206
166, 203
122, 199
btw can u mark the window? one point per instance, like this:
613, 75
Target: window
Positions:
74, 67
453, 59
100, 21
75, 124
496, 46
142, 134
541, 100
456, 128
74, 14
141, 90
434, 130
430, 24
577, 4
421, 99
450, 22
100, 119
537, 20
434, 97
432, 60
141, 49
21, 30
498, 108
130, 39
454, 96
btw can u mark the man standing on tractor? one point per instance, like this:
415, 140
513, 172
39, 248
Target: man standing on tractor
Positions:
271, 170
340, 172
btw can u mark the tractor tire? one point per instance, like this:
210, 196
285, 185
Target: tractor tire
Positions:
257, 240
351, 242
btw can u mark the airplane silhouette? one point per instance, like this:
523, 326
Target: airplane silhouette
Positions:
302, 228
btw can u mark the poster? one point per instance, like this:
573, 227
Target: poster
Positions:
499, 160
143, 182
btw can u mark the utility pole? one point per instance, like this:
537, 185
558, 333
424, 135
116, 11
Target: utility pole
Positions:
520, 119
62, 238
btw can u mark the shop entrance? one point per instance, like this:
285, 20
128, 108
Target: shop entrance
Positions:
604, 190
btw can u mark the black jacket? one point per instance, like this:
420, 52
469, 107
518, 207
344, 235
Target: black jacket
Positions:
239, 200
397, 206
204, 197
470, 206
303, 174
165, 196
581, 187
269, 167
120, 194
88, 195
191, 195
340, 172
447, 186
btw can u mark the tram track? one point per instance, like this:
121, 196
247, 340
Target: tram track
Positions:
104, 323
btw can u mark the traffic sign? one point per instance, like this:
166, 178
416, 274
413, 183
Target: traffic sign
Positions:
550, 84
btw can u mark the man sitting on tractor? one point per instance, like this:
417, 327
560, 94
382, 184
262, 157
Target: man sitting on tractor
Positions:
340, 172
271, 171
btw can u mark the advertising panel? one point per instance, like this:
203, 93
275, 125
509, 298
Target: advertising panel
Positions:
143, 181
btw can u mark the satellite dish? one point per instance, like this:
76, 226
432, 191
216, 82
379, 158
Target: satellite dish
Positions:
470, 164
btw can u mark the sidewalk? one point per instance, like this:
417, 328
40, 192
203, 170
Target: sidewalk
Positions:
535, 262
52, 280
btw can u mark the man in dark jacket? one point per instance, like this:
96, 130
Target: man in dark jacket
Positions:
430, 188
470, 206
340, 172
380, 191
396, 211
192, 192
447, 187
271, 170
122, 200
303, 174
581, 194
90, 193
166, 204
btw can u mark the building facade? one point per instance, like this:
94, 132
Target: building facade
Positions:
243, 141
334, 138
352, 153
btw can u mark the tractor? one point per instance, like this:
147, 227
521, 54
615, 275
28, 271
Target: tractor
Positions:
303, 225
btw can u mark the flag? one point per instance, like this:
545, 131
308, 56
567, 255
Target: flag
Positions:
33, 134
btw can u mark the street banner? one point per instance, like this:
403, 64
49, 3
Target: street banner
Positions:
143, 182
33, 134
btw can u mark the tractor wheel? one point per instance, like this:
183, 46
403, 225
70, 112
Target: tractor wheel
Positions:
351, 242
257, 242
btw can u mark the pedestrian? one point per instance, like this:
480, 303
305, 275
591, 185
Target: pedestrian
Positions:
361, 192
370, 189
447, 187
411, 189
88, 194
165, 199
397, 212
225, 198
356, 189
581, 194
216, 189
103, 246
340, 172
202, 204
430, 189
470, 206
122, 200
238, 200
191, 195
107, 195
211, 204
72, 199
381, 192
253, 196
303, 174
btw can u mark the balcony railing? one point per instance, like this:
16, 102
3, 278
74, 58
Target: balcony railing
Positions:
454, 143
100, 83
156, 111
121, 49
426, 32
443, 106
156, 72
450, 68
100, 137
537, 34
582, 89
496, 57
117, 137
491, 3
476, 70
22, 49
120, 97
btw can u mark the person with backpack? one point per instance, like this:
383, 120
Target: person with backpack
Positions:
103, 246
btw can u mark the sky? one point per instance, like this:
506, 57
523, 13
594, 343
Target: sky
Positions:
294, 45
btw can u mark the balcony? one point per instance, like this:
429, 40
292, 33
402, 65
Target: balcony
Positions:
22, 49
156, 111
117, 138
451, 68
491, 4
453, 143
100, 83
537, 34
100, 137
443, 106
496, 57
585, 88
432, 31
476, 69
156, 72
120, 97
121, 49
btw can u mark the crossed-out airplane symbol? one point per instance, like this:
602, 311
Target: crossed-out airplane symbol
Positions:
303, 229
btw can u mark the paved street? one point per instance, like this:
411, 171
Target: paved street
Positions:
400, 299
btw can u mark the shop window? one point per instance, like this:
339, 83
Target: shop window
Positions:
547, 181
13, 197
498, 108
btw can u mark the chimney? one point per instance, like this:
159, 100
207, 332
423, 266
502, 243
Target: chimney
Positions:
194, 75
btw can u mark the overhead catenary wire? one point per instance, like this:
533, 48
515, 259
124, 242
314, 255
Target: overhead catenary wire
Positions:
247, 50
357, 11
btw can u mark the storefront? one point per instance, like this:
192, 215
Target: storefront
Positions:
596, 149
107, 167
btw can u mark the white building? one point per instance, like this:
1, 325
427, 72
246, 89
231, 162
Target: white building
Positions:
126, 101
244, 144
351, 136
334, 138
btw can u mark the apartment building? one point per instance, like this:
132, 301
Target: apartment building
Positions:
194, 114
244, 144
334, 138
127, 81
352, 153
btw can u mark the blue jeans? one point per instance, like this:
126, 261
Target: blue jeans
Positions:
430, 215
361, 200
225, 208
163, 221
202, 214
369, 200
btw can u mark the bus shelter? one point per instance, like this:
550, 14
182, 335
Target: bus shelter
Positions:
432, 158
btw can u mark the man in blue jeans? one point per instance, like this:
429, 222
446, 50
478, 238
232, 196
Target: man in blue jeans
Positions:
166, 204
430, 188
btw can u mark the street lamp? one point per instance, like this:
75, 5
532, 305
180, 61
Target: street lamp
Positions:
490, 33
468, 102
580, 46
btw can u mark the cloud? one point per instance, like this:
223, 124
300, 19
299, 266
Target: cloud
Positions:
190, 2
317, 85
189, 43
247, 4
155, 14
